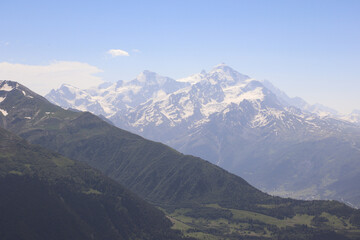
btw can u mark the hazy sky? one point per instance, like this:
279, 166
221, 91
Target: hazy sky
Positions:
309, 49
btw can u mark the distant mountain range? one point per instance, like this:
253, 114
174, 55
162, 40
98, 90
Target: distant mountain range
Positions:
201, 199
282, 145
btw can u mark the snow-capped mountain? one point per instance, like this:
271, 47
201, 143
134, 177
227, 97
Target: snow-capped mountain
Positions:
280, 144
353, 117
110, 98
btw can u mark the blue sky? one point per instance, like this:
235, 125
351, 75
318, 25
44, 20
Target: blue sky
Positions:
309, 49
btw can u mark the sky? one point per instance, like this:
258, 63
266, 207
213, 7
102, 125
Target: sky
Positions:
307, 48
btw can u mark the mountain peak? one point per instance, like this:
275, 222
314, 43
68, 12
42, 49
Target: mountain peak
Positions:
66, 85
221, 66
7, 86
147, 73
146, 76
149, 78
224, 74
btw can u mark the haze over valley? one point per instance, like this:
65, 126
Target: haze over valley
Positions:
282, 145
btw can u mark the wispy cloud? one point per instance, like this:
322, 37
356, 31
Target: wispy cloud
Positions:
3, 43
43, 78
118, 52
136, 51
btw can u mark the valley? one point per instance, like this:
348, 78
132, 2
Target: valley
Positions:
282, 145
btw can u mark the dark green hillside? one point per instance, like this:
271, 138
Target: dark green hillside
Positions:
153, 170
191, 191
46, 196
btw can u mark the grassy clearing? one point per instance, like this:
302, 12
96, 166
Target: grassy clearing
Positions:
302, 219
203, 236
16, 172
63, 162
213, 229
335, 222
92, 191
246, 223
242, 214
179, 225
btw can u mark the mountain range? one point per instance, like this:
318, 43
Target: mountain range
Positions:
279, 144
201, 199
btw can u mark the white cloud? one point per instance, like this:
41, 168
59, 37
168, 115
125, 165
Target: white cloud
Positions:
136, 50
42, 78
4, 43
118, 52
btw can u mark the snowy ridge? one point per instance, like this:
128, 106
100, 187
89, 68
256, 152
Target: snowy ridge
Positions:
246, 126
110, 98
8, 86
152, 100
208, 94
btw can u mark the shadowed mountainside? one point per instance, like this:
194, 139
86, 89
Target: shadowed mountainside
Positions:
44, 195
